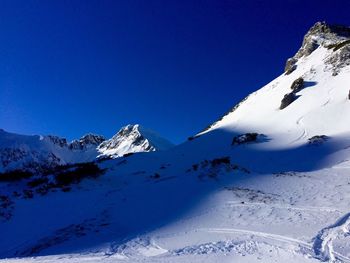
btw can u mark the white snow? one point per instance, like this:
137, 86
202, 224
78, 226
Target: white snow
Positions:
277, 199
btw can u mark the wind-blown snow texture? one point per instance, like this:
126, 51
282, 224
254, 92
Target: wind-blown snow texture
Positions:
263, 184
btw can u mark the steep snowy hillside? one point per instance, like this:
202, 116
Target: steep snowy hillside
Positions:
310, 99
269, 182
131, 139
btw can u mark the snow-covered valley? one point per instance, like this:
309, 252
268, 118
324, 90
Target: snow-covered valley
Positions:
269, 182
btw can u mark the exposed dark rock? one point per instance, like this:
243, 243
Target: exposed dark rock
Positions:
318, 139
297, 85
212, 168
245, 138
339, 60
320, 34
287, 100
339, 45
191, 138
290, 66
349, 95
128, 154
86, 141
62, 142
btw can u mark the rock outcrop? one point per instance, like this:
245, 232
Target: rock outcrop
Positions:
321, 34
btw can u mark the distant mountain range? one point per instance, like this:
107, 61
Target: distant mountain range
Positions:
36, 152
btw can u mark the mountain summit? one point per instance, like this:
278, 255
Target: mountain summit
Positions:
321, 35
131, 139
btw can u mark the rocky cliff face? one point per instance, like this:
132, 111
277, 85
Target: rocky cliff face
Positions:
87, 141
334, 37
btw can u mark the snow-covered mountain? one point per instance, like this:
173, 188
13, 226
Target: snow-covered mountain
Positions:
318, 105
131, 139
269, 182
36, 153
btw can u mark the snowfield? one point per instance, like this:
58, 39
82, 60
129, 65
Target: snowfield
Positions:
263, 184
288, 216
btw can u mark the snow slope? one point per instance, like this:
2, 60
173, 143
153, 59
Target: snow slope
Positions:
321, 106
257, 186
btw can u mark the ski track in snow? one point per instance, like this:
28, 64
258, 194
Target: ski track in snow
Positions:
321, 249
323, 242
304, 133
264, 235
330, 98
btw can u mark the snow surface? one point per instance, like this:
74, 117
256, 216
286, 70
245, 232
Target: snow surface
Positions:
281, 198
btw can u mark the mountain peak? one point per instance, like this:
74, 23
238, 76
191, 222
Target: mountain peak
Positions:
133, 138
322, 28
320, 34
128, 129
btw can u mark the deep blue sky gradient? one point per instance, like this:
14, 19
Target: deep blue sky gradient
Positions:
72, 67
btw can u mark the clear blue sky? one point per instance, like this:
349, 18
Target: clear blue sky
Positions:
72, 67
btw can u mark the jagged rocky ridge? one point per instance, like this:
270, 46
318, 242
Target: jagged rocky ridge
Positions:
40, 153
334, 37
